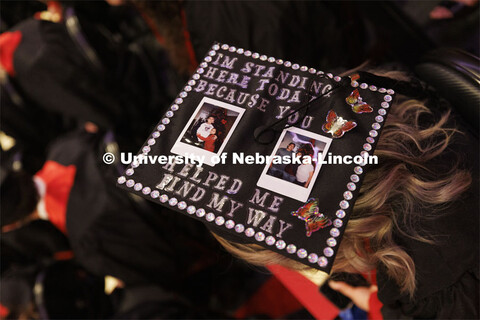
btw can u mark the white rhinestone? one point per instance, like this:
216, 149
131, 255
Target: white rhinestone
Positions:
208, 58
367, 147
178, 101
337, 223
295, 66
219, 221
382, 90
279, 61
129, 172
387, 98
334, 232
351, 186
200, 70
263, 57
260, 236
364, 86
379, 118
121, 180
291, 248
249, 232
340, 213
212, 53
344, 204
328, 252
173, 201
138, 186
337, 78
224, 46
146, 190
146, 149
385, 105
376, 126
232, 49
161, 127
130, 183
165, 121
248, 53
203, 65
191, 82
271, 59
255, 55
210, 217
322, 261
135, 164
174, 107
239, 228
280, 244
182, 205
240, 51
216, 47
302, 253
200, 212
163, 198
183, 94
312, 70
229, 224
270, 240
191, 209
156, 134
303, 68
358, 170
390, 91
312, 258
382, 112
287, 64
154, 194
370, 140
373, 88
373, 133
331, 242
151, 142
354, 178
330, 75
347, 195
196, 76
354, 84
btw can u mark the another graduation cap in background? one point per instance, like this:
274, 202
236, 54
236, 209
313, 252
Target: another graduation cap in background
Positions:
241, 104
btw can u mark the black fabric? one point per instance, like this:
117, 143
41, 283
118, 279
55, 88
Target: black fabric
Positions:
290, 30
447, 272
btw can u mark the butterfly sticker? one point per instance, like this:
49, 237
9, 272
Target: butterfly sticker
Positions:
355, 101
310, 213
336, 125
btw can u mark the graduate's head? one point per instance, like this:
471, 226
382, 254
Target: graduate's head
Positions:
393, 193
291, 146
19, 197
210, 119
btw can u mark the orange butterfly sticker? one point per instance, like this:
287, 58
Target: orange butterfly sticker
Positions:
310, 213
355, 101
336, 125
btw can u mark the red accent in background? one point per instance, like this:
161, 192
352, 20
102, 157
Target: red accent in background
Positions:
188, 44
59, 181
63, 255
9, 42
375, 306
272, 299
306, 292
4, 311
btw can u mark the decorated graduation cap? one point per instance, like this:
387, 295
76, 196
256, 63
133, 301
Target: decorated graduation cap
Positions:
265, 151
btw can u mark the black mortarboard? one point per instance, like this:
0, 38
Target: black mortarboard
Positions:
240, 104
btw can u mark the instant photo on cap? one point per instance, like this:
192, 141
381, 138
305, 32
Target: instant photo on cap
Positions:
264, 151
